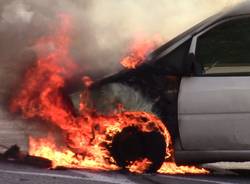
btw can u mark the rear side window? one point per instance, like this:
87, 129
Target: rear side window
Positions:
225, 49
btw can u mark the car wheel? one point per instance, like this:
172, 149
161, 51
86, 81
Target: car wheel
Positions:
130, 144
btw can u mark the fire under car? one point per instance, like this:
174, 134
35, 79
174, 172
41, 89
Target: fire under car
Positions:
198, 84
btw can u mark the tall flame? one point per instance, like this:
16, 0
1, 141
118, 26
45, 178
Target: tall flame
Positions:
88, 136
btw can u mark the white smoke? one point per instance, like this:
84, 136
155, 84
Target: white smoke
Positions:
16, 13
164, 17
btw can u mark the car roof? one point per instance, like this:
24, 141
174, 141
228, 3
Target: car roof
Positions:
238, 10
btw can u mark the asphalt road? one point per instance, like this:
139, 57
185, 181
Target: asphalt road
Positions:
15, 174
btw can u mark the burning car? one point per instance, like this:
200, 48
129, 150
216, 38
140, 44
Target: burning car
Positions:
187, 102
197, 84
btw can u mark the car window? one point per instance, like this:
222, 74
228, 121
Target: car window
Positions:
225, 49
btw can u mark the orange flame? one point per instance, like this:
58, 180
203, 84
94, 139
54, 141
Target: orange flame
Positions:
87, 136
139, 49
172, 168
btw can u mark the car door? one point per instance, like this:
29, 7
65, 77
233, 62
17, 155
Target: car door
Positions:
214, 108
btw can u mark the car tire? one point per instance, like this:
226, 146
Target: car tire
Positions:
105, 99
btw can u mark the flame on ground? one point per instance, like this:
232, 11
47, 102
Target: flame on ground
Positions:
172, 168
88, 136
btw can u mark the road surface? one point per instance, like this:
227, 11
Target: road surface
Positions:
21, 174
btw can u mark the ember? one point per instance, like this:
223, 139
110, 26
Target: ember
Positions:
92, 141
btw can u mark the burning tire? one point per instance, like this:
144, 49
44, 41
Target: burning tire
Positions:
133, 145
133, 148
